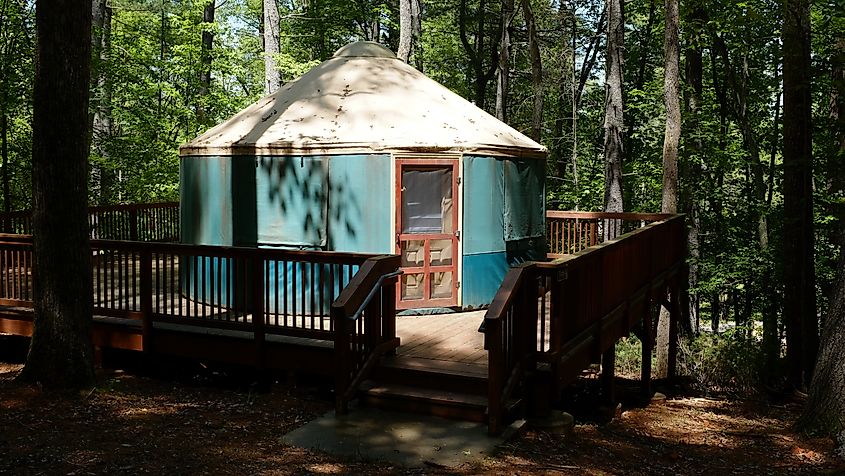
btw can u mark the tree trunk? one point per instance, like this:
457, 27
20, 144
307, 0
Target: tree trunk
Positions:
671, 140
590, 57
4, 131
270, 18
409, 28
825, 407
645, 45
101, 119
715, 311
205, 61
771, 343
536, 70
503, 69
798, 266
60, 353
614, 125
692, 171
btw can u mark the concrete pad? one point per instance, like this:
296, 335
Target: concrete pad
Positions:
405, 439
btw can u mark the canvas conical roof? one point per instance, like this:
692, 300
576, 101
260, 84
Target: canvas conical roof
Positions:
362, 100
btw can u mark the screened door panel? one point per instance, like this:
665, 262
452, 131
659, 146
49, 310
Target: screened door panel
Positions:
426, 222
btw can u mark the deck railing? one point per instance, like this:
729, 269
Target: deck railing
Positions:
337, 297
137, 222
570, 232
568, 311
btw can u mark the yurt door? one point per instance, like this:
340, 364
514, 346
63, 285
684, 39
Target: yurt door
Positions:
427, 232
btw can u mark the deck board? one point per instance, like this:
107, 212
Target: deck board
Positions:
443, 337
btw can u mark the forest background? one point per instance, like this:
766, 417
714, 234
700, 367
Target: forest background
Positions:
164, 71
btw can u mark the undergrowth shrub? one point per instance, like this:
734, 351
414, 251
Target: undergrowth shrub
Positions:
629, 357
727, 363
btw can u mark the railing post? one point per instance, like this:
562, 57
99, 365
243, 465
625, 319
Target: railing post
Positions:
647, 343
133, 224
342, 358
257, 307
146, 289
495, 383
372, 324
388, 317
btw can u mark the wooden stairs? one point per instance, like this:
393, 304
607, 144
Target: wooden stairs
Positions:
434, 387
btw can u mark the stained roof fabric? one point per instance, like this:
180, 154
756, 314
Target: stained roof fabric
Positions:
362, 100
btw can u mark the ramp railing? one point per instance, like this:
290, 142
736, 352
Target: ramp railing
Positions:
567, 312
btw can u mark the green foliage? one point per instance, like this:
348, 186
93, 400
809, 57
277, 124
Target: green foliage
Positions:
629, 357
727, 363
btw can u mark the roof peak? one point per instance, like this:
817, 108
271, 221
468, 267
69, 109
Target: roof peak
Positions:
364, 49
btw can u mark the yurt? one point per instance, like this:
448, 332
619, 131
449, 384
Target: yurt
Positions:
364, 153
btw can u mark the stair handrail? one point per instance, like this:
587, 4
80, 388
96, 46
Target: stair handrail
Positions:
365, 327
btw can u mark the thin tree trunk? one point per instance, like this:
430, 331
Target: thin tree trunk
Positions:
270, 18
614, 125
536, 71
60, 352
7, 200
590, 57
563, 91
692, 170
205, 61
715, 311
645, 45
503, 70
798, 265
771, 343
101, 121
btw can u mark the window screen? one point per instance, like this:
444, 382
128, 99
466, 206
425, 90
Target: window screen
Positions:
427, 201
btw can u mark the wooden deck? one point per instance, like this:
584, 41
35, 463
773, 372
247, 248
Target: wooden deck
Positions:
333, 314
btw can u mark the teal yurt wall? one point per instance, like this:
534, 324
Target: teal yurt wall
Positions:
503, 222
315, 166
341, 203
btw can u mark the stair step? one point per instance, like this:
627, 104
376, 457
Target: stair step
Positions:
455, 405
444, 375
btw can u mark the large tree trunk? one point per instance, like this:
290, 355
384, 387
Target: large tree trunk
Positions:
60, 353
536, 70
825, 408
671, 140
503, 69
798, 267
614, 125
409, 28
270, 21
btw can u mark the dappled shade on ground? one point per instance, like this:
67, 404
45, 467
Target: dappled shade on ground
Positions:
204, 423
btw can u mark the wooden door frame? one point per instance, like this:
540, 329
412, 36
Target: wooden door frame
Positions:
433, 160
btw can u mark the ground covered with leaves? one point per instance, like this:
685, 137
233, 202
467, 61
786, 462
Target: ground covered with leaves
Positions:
204, 421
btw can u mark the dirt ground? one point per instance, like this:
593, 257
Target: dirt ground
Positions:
203, 421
